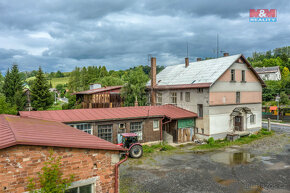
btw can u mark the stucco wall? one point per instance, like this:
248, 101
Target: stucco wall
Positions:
195, 98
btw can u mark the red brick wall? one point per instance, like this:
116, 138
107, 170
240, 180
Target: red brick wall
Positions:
18, 163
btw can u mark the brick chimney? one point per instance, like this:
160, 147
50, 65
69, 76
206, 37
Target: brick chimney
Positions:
198, 59
226, 54
153, 81
186, 62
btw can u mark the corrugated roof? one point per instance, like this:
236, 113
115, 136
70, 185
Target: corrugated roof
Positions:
206, 71
79, 115
103, 89
16, 130
272, 69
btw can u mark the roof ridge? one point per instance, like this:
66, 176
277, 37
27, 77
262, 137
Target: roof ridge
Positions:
11, 128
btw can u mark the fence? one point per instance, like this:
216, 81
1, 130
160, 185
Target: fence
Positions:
274, 117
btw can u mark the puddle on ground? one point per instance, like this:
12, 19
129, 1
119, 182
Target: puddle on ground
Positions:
233, 158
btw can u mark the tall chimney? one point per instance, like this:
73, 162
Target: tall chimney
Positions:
153, 81
136, 102
198, 59
226, 54
186, 62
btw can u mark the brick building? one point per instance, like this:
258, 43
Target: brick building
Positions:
150, 123
25, 144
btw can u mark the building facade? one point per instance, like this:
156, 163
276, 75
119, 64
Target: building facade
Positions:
269, 73
148, 122
102, 97
226, 93
26, 144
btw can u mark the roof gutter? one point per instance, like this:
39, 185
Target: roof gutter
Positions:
117, 173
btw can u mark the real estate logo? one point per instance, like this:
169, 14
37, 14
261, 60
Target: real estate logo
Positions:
263, 15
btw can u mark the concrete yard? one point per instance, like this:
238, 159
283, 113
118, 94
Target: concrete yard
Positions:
262, 166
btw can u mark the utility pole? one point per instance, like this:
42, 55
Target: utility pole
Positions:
278, 100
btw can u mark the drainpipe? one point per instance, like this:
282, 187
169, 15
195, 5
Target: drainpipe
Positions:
117, 173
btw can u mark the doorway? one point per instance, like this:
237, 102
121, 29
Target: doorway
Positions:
238, 123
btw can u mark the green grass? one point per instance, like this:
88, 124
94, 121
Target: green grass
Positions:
216, 144
54, 81
57, 106
147, 149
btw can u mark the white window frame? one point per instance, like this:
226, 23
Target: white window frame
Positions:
173, 98
253, 119
200, 90
88, 129
137, 127
90, 181
156, 125
159, 98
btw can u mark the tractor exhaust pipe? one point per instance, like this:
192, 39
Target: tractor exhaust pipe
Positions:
117, 172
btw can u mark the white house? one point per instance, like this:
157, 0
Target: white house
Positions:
226, 93
269, 73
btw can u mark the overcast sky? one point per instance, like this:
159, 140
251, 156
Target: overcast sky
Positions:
59, 34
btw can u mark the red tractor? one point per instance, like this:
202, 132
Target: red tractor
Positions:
130, 142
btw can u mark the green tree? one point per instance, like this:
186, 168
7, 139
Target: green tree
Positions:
41, 98
285, 73
50, 178
20, 100
1, 82
59, 74
12, 85
135, 87
111, 81
6, 108
284, 100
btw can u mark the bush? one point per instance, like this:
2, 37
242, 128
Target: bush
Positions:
210, 141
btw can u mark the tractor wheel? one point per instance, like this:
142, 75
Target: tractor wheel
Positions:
136, 151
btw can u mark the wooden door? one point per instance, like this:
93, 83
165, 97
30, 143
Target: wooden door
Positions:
238, 123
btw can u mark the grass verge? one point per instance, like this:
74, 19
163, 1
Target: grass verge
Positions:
147, 149
216, 144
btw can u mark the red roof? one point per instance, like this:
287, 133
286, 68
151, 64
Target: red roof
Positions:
103, 89
15, 130
273, 108
78, 115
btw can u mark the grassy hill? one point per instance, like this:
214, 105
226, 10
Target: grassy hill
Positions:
54, 81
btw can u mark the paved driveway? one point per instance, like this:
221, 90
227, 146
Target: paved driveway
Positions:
263, 166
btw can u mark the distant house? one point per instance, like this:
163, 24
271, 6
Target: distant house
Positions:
25, 145
225, 92
100, 97
269, 73
150, 123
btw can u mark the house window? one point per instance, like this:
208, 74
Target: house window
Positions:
200, 90
253, 119
173, 98
202, 131
238, 97
81, 189
233, 78
122, 126
187, 96
243, 76
159, 98
105, 132
136, 127
86, 127
156, 125
181, 96
200, 110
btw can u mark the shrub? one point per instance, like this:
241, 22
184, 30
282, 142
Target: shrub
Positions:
210, 141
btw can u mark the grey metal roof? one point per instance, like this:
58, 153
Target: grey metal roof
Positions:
272, 69
206, 71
